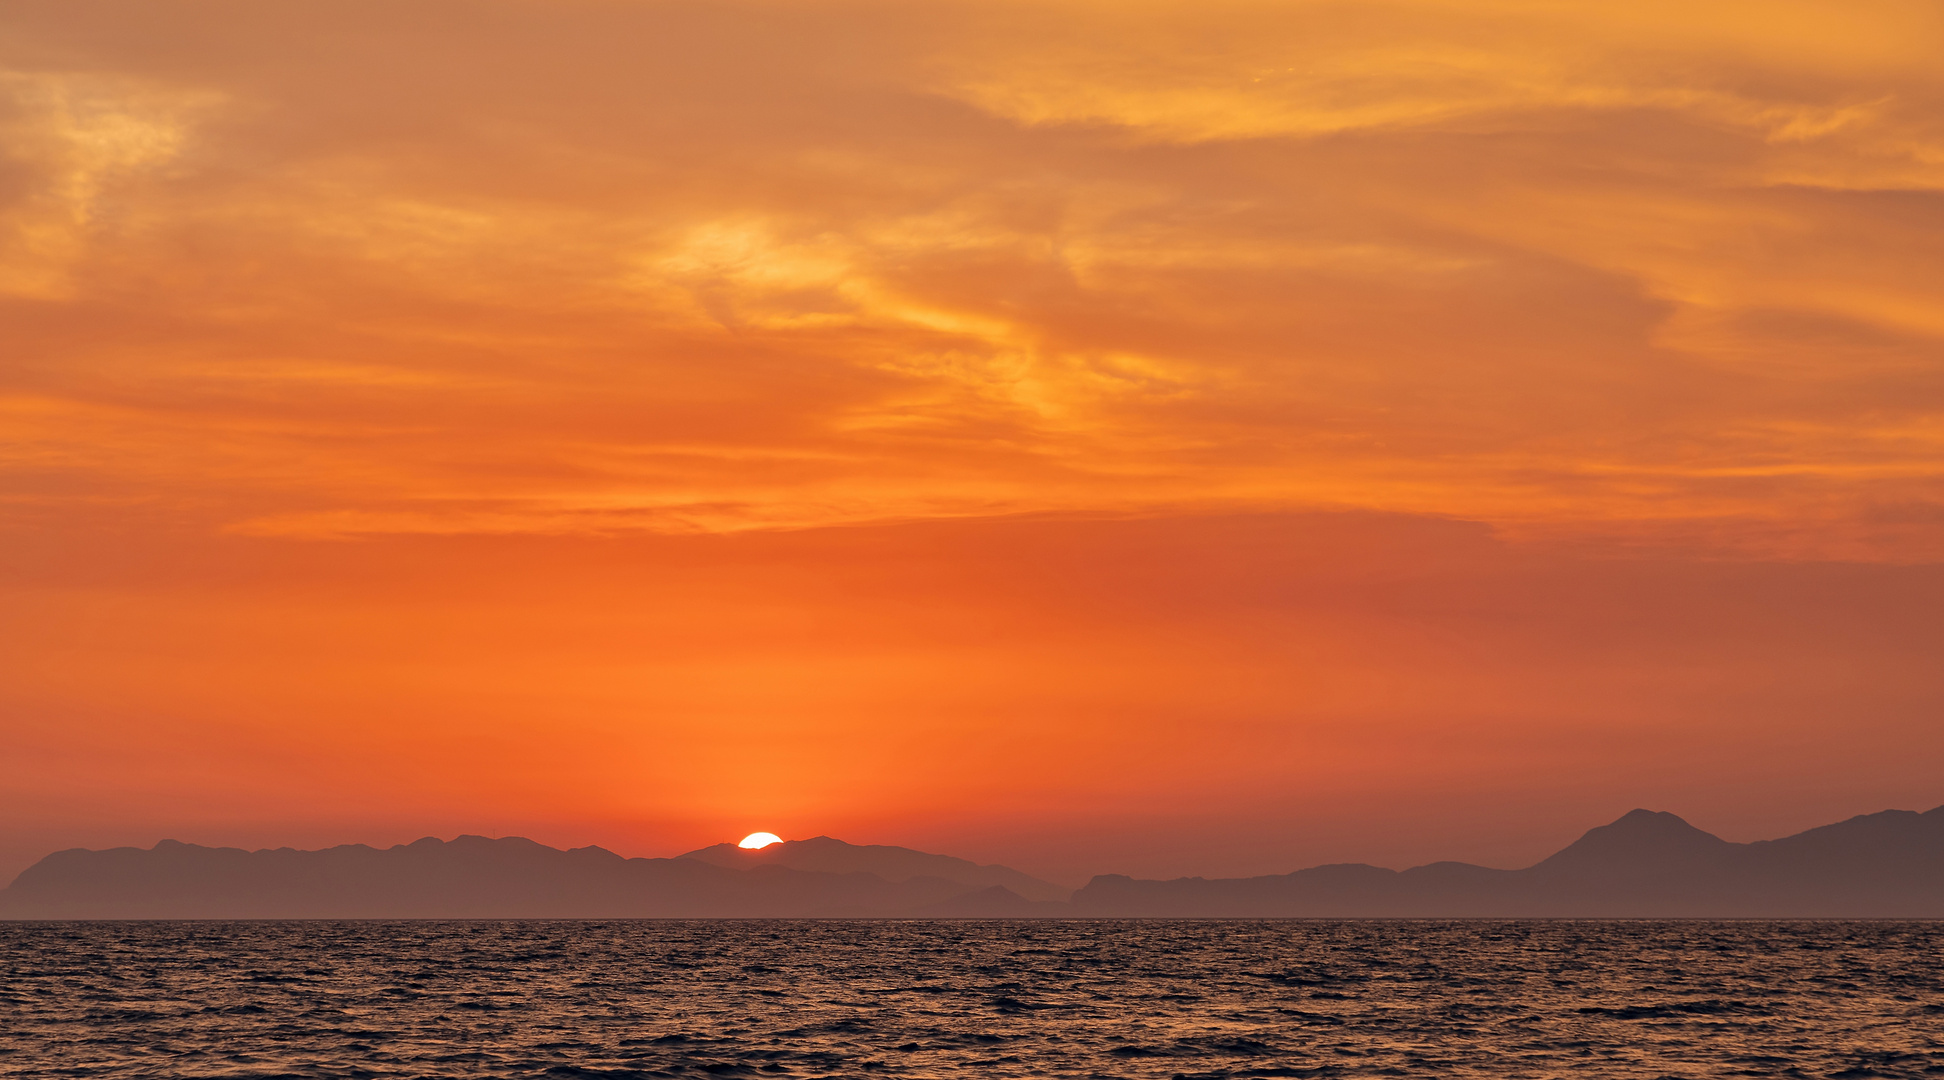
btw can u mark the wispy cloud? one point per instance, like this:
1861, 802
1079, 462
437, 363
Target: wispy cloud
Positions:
749, 266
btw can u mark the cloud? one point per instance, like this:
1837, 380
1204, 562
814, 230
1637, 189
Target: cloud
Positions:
615, 266
74, 142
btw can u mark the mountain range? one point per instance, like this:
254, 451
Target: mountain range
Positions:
1644, 865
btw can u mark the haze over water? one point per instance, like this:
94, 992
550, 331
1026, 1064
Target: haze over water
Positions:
1082, 999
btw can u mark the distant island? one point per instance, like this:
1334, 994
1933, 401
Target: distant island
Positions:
1644, 865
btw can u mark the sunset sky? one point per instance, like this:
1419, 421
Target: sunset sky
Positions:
1152, 437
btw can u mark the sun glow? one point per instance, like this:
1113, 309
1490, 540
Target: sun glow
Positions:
756, 841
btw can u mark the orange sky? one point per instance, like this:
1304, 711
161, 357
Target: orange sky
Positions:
1154, 437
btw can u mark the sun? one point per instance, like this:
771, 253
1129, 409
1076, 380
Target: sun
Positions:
758, 840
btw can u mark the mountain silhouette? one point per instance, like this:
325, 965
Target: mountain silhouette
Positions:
469, 877
1644, 865
1647, 864
825, 855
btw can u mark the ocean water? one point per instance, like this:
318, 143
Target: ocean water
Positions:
621, 1000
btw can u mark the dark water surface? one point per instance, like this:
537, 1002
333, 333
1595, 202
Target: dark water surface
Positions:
1081, 999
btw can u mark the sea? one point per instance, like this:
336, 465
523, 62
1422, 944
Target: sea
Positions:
1200, 999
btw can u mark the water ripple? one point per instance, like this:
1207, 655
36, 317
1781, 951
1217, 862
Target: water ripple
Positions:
1205, 1000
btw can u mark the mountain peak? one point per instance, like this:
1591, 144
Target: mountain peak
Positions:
1639, 842
1641, 814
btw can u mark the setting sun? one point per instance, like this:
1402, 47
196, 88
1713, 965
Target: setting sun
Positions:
756, 841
